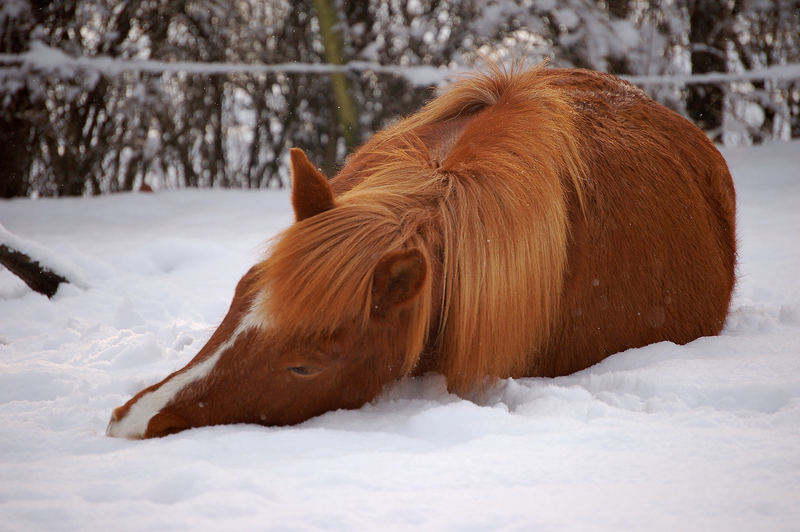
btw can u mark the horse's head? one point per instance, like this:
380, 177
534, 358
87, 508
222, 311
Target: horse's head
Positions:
275, 360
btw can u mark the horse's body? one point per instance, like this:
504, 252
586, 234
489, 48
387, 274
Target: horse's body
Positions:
522, 224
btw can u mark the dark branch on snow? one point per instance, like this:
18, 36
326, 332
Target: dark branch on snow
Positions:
36, 276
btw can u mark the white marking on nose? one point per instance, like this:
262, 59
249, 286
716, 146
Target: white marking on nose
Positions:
134, 424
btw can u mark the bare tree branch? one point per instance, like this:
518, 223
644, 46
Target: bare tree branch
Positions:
36, 276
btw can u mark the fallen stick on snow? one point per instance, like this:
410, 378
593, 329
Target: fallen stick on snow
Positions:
41, 269
35, 275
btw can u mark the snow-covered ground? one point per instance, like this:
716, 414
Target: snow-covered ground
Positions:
704, 436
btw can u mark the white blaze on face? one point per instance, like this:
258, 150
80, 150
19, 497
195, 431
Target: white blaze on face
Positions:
134, 424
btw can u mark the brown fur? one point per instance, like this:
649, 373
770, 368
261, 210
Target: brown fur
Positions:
311, 192
525, 223
498, 224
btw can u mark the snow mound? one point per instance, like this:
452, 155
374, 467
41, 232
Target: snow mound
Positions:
704, 436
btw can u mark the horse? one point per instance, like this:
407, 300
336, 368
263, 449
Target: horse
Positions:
526, 222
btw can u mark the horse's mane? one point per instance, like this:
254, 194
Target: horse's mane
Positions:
491, 213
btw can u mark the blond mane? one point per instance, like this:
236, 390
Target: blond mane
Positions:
491, 214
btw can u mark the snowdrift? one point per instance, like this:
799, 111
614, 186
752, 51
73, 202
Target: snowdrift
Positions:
704, 436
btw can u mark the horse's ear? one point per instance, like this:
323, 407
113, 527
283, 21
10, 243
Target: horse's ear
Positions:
311, 192
398, 280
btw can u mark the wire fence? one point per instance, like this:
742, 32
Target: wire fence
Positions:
51, 59
148, 121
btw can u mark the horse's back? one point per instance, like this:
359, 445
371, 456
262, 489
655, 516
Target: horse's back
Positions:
650, 243
652, 249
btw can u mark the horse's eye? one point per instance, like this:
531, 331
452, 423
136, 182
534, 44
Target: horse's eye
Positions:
305, 371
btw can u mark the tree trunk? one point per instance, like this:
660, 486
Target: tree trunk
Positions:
710, 22
15, 154
346, 108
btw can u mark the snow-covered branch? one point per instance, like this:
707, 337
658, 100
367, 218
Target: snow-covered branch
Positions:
780, 72
47, 58
38, 267
52, 59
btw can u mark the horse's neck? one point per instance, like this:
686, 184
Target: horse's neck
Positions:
439, 139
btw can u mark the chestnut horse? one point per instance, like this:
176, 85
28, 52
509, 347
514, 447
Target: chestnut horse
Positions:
524, 223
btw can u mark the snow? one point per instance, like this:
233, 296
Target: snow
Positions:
704, 436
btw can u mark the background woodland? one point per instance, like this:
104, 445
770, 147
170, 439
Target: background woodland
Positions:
71, 128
